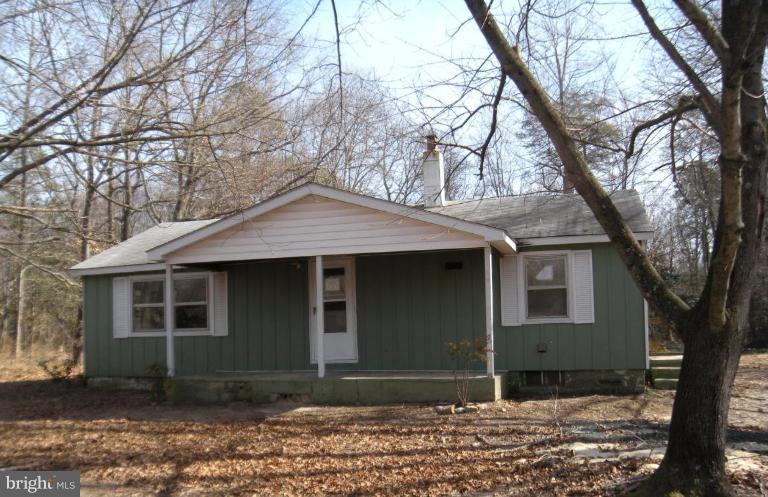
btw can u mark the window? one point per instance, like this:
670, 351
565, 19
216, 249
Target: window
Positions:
191, 303
148, 311
334, 300
546, 286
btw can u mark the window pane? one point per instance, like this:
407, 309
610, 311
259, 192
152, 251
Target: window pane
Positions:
335, 317
545, 270
191, 290
548, 303
148, 292
148, 318
333, 284
191, 317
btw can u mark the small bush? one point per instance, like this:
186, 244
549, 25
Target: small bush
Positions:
157, 388
57, 370
466, 353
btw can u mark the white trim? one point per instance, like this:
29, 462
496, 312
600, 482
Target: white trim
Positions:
583, 296
523, 282
571, 284
568, 240
488, 266
170, 356
179, 333
487, 233
132, 268
509, 290
220, 303
348, 263
319, 316
121, 311
647, 330
333, 251
510, 243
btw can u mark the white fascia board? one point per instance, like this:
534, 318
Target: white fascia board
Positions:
133, 268
348, 251
489, 234
507, 246
157, 253
578, 239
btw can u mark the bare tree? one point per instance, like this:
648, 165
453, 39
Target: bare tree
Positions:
712, 329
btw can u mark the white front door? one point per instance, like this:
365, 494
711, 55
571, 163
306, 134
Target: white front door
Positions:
340, 332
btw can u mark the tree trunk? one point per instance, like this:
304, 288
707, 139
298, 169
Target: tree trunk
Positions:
712, 331
20, 318
125, 220
76, 351
694, 463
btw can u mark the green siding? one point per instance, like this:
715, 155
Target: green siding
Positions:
616, 340
268, 329
107, 356
408, 307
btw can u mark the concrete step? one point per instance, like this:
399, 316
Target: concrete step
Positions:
672, 372
665, 360
665, 383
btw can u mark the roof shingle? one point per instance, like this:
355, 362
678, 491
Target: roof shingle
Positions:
133, 251
541, 216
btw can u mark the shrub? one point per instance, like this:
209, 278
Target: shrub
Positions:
57, 370
157, 373
465, 353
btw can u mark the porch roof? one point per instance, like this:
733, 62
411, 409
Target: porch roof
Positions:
530, 219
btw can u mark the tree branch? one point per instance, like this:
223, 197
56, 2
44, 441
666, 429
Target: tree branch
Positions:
652, 286
684, 105
494, 120
710, 105
708, 30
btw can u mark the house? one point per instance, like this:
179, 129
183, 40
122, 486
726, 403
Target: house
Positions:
388, 284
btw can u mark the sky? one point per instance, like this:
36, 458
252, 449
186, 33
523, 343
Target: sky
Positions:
404, 41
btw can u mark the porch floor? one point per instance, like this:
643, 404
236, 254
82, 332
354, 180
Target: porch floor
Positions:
338, 387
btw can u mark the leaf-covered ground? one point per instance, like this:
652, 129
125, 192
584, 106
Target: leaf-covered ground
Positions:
125, 445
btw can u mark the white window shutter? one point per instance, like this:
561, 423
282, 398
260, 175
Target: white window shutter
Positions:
121, 307
510, 299
582, 287
220, 307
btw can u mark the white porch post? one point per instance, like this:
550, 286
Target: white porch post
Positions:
319, 317
170, 357
488, 260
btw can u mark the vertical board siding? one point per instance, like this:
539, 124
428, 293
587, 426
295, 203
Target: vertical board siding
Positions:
268, 327
108, 356
408, 306
614, 341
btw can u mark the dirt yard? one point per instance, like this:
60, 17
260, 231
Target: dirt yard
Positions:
125, 445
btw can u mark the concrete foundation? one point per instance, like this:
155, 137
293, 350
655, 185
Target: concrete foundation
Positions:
380, 388
625, 381
352, 388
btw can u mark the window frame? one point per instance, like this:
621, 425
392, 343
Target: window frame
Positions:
207, 275
523, 285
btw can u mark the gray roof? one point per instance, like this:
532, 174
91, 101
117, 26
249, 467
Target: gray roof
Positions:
524, 216
133, 251
541, 216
